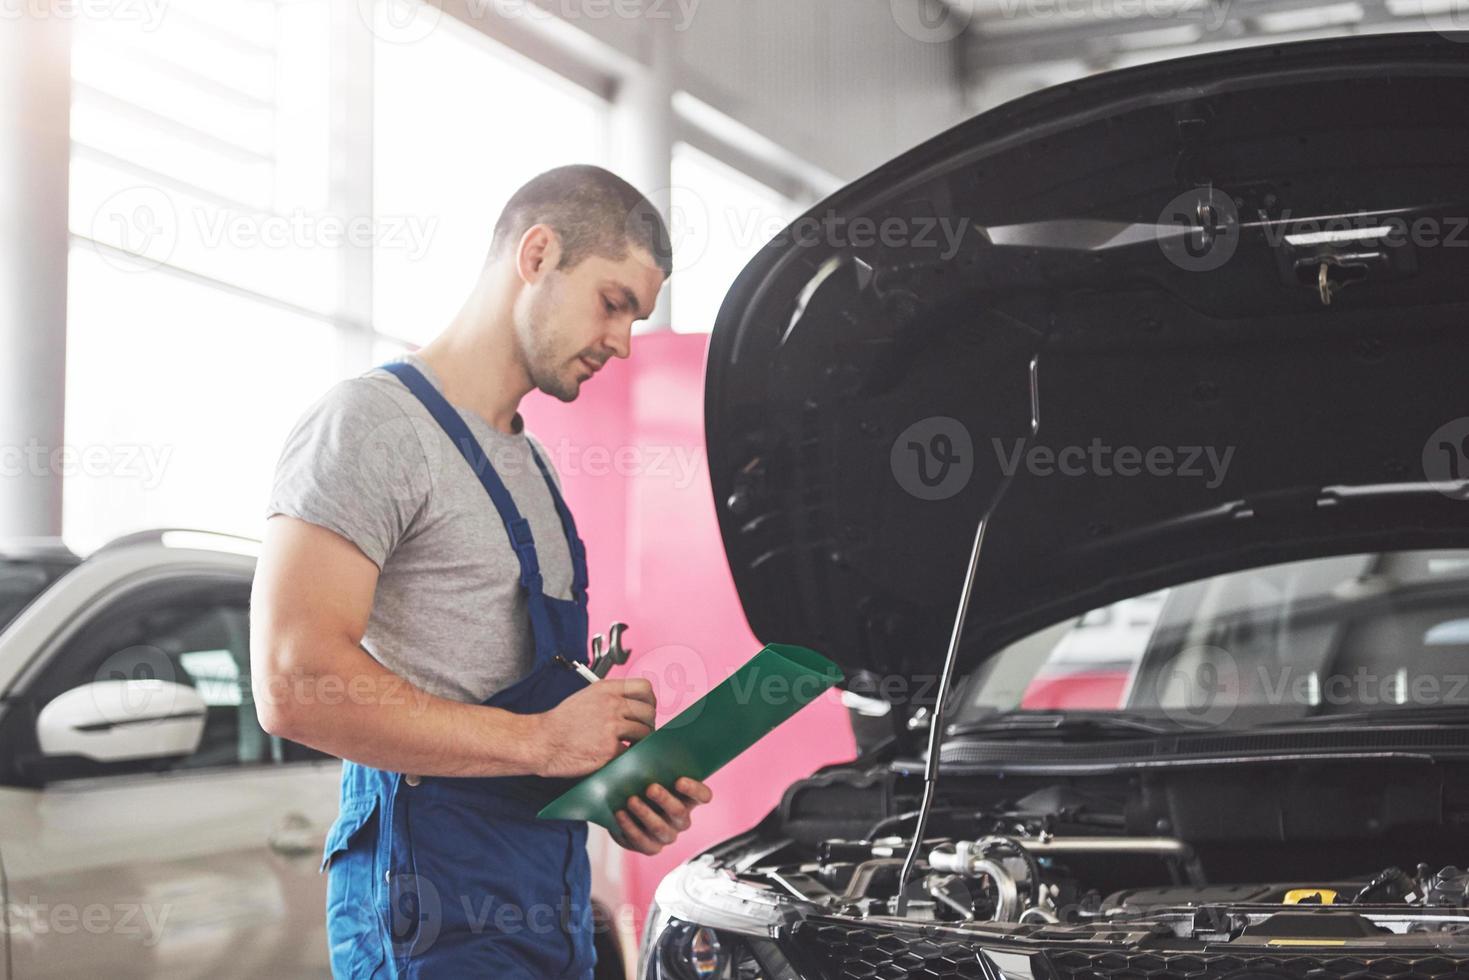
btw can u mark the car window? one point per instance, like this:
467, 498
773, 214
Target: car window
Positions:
1316, 638
193, 633
20, 582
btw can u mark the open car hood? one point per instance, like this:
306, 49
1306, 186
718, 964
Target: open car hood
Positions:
1126, 352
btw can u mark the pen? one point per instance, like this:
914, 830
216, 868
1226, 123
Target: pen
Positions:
581, 669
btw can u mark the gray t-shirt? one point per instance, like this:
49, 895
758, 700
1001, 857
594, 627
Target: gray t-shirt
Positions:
369, 462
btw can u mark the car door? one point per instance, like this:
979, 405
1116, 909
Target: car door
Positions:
203, 865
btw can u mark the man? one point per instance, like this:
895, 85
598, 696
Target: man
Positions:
421, 575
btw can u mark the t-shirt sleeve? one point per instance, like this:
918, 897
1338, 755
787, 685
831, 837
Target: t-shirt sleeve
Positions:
355, 464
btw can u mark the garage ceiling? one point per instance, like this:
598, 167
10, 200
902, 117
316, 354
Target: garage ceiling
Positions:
1004, 36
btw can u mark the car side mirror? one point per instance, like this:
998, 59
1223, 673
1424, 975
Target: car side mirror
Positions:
122, 721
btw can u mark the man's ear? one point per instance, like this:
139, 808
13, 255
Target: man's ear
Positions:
539, 252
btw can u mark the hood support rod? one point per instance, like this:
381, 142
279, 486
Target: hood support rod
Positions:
936, 719
946, 678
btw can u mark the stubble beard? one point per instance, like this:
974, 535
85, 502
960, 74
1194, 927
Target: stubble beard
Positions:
545, 369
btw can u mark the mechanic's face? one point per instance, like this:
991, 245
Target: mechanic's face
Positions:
572, 321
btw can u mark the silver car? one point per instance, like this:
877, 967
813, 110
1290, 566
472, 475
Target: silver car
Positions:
148, 826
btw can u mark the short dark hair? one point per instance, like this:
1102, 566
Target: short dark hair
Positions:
593, 211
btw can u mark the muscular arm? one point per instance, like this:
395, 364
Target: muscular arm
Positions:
314, 684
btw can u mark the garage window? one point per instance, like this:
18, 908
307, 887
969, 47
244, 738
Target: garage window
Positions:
228, 265
720, 218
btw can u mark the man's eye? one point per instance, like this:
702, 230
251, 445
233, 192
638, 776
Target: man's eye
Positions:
608, 305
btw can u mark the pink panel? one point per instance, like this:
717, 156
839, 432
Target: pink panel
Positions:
631, 455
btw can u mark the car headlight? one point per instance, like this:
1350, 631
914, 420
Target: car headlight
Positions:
705, 925
689, 951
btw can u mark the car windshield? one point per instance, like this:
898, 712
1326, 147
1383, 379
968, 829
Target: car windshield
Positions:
1317, 639
20, 582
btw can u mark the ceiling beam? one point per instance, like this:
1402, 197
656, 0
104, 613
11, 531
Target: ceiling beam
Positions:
1009, 42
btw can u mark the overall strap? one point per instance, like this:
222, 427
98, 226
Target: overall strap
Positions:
517, 527
568, 525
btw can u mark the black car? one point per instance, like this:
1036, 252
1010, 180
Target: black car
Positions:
1139, 407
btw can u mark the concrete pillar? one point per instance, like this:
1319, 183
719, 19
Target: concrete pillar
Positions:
643, 131
351, 194
35, 152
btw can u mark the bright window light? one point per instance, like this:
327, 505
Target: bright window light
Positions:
179, 397
720, 219
201, 142
460, 123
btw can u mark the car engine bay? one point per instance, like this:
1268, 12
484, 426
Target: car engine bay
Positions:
1038, 877
1289, 869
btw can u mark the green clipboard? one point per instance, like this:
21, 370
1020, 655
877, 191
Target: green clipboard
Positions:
771, 687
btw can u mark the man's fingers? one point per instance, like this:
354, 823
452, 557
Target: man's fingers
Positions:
652, 821
639, 711
633, 836
673, 808
694, 790
631, 730
636, 689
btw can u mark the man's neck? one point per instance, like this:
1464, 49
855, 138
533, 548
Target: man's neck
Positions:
478, 361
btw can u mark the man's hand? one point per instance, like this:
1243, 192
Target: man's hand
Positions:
587, 730
650, 825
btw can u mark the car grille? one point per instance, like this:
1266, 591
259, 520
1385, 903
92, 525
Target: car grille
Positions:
1145, 965
853, 951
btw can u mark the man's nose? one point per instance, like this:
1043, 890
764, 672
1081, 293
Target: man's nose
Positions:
619, 339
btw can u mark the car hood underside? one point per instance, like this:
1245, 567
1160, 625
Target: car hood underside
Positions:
1164, 323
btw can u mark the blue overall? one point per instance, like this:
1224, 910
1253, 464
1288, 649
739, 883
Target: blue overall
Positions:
455, 877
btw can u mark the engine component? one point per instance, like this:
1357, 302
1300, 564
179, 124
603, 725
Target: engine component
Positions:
1315, 925
1001, 866
953, 892
1031, 875
1388, 887
1311, 896
1449, 887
